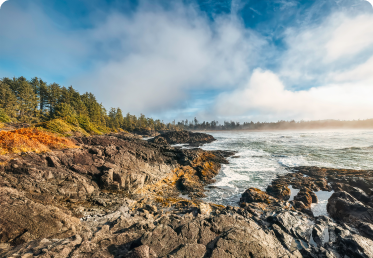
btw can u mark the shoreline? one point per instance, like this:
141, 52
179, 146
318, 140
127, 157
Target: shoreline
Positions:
286, 130
120, 196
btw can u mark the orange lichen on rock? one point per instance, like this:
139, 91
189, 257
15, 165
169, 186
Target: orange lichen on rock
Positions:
31, 139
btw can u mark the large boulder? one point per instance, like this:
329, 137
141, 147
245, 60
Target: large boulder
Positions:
305, 196
255, 195
344, 207
281, 192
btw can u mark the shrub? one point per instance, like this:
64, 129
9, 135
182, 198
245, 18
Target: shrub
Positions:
4, 117
61, 127
86, 124
31, 139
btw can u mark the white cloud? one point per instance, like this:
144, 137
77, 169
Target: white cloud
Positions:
335, 58
159, 56
152, 59
338, 44
349, 36
265, 94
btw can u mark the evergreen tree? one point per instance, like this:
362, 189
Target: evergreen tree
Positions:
28, 101
8, 100
54, 96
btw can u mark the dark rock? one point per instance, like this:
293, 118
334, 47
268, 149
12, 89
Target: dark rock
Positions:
295, 224
356, 246
160, 140
304, 195
344, 207
255, 195
281, 192
366, 230
174, 137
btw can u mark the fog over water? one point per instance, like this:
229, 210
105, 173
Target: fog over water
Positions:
265, 154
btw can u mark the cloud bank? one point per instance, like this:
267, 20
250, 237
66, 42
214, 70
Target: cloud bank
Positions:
161, 56
181, 61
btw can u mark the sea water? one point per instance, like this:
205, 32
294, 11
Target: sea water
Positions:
261, 156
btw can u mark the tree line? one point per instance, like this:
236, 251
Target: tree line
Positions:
34, 101
280, 125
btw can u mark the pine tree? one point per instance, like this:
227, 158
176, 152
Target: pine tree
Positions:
8, 100
54, 96
28, 101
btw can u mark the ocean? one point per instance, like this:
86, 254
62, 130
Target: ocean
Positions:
262, 155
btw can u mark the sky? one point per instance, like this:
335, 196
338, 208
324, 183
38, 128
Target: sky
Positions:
250, 60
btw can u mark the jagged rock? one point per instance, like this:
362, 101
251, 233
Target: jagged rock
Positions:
160, 140
22, 220
304, 196
162, 240
287, 240
127, 193
142, 251
366, 229
295, 224
255, 195
344, 207
250, 241
190, 251
174, 137
356, 246
281, 192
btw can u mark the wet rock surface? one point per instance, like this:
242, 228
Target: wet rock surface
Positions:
177, 137
347, 232
120, 196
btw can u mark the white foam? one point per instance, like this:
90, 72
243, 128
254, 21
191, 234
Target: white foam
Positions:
229, 176
261, 156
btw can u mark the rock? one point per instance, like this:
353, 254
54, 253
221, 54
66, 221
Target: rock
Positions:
314, 197
204, 209
142, 251
160, 140
249, 241
356, 246
126, 192
344, 207
286, 239
366, 230
162, 240
174, 137
255, 195
281, 192
23, 220
295, 224
53, 161
320, 234
191, 251
304, 195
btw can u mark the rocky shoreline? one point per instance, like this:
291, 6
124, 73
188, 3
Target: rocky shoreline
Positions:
120, 196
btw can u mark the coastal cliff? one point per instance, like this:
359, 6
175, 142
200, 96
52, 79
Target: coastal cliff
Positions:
120, 196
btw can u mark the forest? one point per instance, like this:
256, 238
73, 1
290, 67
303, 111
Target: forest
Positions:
61, 110
280, 125
64, 110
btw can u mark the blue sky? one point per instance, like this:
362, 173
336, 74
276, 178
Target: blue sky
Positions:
243, 60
